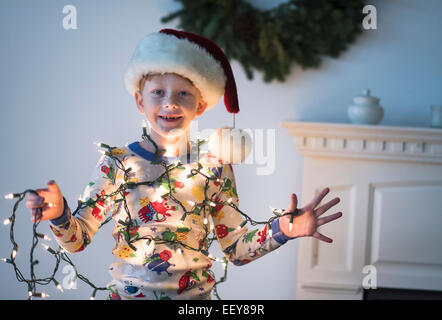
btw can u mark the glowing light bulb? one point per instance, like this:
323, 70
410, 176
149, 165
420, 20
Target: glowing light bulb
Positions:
46, 247
211, 227
169, 151
213, 204
186, 172
230, 200
150, 246
93, 294
241, 225
162, 189
191, 203
14, 253
9, 196
102, 151
7, 221
30, 293
59, 288
270, 233
290, 226
205, 221
45, 295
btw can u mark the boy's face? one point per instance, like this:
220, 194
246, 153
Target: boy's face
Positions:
170, 103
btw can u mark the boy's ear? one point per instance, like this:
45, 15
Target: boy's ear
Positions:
202, 105
139, 101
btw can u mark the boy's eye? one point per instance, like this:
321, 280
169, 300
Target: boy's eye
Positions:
183, 93
158, 92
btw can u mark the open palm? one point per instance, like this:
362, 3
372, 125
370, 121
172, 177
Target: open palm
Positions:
306, 221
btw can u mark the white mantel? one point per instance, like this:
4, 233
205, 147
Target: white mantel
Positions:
367, 142
389, 180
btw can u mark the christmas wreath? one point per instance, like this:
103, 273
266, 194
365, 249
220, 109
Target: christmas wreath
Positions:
299, 31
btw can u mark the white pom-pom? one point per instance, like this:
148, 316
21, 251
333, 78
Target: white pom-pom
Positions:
231, 145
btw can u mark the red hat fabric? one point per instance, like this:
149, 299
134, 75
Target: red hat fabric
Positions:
190, 55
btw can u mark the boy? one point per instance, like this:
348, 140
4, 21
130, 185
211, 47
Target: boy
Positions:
162, 225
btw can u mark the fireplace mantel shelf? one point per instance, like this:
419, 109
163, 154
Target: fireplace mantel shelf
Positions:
367, 141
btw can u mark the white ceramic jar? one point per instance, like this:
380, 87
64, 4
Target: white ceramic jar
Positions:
366, 109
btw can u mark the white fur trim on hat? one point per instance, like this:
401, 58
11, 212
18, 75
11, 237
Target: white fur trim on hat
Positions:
163, 53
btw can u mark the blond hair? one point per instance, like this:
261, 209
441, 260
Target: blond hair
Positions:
144, 78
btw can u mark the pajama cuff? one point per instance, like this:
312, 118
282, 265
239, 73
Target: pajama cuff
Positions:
277, 234
65, 216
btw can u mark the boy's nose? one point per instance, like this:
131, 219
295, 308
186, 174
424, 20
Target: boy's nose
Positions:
170, 103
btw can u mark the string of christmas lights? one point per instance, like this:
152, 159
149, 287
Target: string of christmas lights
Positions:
126, 226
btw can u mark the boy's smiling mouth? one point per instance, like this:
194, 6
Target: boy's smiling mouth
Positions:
170, 117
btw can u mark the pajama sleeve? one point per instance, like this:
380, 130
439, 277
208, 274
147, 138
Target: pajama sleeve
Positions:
74, 233
240, 246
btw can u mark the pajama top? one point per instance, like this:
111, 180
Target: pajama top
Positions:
165, 270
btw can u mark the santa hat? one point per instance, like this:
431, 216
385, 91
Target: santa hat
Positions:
190, 55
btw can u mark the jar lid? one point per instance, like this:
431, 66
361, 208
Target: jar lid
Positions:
366, 98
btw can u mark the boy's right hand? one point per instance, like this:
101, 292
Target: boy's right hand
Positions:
50, 201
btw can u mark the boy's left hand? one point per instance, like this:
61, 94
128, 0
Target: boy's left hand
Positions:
306, 222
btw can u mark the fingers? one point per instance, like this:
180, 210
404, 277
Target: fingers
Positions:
41, 192
317, 200
321, 237
325, 220
293, 203
36, 214
37, 205
326, 206
34, 201
329, 218
53, 187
